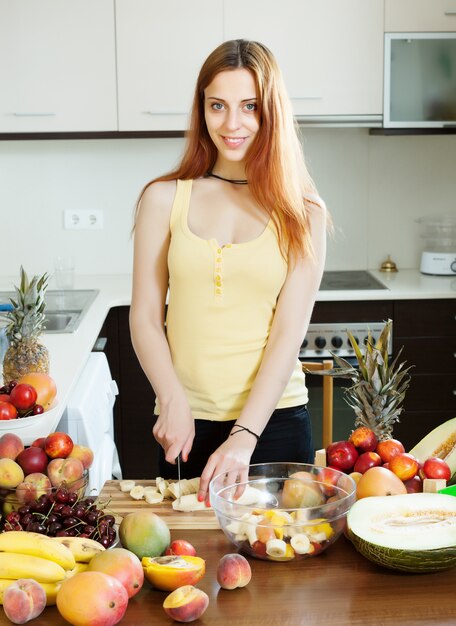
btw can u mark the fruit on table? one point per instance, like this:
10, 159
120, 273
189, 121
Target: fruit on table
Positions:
10, 446
32, 487
233, 571
50, 589
440, 442
144, 533
33, 460
64, 471
15, 565
367, 460
44, 385
83, 453
92, 599
34, 544
414, 485
82, 548
364, 439
23, 600
379, 481
171, 571
388, 448
436, 468
342, 455
25, 323
123, 565
58, 445
11, 473
180, 547
404, 465
186, 604
412, 533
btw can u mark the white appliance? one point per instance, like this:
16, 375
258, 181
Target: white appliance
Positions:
89, 420
439, 254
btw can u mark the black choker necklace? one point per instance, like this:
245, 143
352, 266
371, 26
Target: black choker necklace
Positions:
228, 180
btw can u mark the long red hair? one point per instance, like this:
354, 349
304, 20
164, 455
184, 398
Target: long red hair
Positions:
275, 166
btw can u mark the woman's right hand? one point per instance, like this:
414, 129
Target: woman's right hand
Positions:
175, 429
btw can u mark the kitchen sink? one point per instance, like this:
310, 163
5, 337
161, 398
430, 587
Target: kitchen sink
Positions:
65, 309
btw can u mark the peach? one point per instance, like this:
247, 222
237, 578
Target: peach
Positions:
404, 465
83, 453
10, 446
64, 470
233, 571
92, 599
123, 565
32, 487
186, 604
11, 473
23, 600
364, 439
389, 448
356, 476
300, 490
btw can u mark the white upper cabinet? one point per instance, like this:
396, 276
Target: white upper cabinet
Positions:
330, 51
420, 15
160, 49
57, 66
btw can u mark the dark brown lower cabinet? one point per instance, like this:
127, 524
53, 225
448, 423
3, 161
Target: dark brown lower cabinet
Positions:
425, 328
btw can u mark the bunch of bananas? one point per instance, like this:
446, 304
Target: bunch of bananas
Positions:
48, 560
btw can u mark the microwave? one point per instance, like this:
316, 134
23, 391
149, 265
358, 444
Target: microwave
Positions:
419, 80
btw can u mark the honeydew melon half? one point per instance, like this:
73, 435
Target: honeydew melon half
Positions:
440, 442
413, 532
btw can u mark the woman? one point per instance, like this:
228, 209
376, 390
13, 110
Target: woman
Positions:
237, 233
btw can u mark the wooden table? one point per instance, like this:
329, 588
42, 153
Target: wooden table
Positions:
337, 588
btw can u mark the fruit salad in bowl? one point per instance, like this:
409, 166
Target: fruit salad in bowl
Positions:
284, 511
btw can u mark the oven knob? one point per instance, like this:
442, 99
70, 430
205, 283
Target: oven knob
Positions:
320, 342
305, 343
337, 342
355, 338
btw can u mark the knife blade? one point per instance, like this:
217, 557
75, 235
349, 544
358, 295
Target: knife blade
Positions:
178, 458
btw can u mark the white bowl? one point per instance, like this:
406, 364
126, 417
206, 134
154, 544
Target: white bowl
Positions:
30, 428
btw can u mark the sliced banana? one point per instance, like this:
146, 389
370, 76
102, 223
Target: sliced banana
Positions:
300, 543
276, 547
189, 503
137, 493
126, 485
152, 496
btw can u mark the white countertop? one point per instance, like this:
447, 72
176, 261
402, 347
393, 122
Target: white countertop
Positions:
70, 351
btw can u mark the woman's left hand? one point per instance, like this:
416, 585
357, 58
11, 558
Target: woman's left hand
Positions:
233, 458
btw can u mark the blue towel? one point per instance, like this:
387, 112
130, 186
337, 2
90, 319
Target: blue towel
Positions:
6, 307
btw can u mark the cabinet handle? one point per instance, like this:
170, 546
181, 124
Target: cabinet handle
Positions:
32, 114
165, 112
450, 12
454, 392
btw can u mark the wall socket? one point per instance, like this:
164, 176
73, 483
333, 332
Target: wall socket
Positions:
84, 219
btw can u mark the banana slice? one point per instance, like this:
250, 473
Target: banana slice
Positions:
162, 485
137, 493
300, 543
152, 496
276, 547
126, 485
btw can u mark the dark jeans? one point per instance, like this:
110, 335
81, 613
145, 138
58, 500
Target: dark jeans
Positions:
286, 438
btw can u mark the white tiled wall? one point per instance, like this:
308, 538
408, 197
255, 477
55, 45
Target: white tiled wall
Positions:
375, 187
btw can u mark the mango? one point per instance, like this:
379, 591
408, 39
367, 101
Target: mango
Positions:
144, 534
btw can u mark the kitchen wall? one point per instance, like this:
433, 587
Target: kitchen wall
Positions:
375, 187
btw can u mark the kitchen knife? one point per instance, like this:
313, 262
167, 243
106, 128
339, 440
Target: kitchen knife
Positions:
179, 475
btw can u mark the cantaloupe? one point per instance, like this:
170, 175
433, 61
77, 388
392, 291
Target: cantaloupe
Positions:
440, 442
412, 533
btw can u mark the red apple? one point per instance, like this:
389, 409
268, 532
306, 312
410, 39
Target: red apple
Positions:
404, 465
414, 485
389, 448
341, 455
23, 396
38, 443
436, 468
364, 439
367, 460
33, 460
58, 445
180, 547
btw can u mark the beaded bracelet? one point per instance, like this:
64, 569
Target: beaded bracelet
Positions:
241, 428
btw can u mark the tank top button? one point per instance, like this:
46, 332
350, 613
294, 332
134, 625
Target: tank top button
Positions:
219, 251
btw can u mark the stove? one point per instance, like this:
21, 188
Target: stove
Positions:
325, 339
349, 280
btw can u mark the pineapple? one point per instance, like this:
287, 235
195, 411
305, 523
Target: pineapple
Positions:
24, 324
378, 387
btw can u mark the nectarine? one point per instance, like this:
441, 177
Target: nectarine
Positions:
233, 571
23, 600
186, 603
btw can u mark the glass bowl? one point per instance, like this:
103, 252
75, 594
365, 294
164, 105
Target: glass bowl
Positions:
286, 511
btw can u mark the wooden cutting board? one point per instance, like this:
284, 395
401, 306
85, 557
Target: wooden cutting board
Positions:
120, 504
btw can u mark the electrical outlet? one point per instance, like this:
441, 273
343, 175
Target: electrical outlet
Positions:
84, 219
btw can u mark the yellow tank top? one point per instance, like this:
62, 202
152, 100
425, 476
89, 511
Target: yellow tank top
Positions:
221, 305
